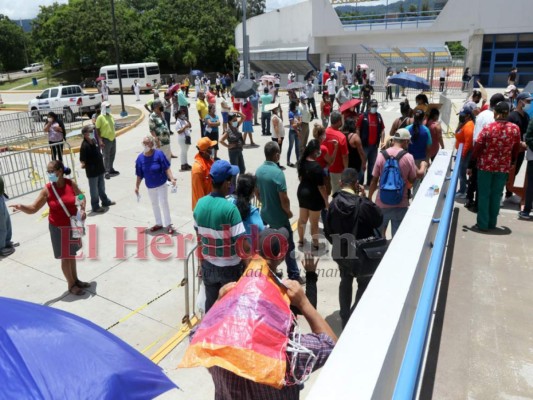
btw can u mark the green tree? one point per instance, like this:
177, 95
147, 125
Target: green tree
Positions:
253, 7
412, 8
232, 55
12, 44
189, 59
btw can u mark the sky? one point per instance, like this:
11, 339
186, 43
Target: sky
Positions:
27, 9
24, 9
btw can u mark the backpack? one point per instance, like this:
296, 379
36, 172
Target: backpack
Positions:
365, 131
391, 183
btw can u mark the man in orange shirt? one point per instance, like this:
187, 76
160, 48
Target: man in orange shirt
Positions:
464, 135
200, 179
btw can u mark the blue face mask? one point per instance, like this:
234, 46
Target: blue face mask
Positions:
52, 177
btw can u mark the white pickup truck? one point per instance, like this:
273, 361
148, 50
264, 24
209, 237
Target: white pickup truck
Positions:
33, 68
71, 99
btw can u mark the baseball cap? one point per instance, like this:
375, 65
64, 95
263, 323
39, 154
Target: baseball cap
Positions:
105, 104
303, 96
466, 110
495, 99
510, 88
273, 243
524, 96
502, 107
373, 102
222, 170
402, 134
205, 144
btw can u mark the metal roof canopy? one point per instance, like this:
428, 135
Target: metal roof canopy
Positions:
284, 60
412, 55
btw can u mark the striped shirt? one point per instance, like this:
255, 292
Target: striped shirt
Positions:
219, 225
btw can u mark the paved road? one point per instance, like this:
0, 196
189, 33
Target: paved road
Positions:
16, 75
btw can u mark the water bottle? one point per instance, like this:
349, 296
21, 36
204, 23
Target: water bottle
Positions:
77, 224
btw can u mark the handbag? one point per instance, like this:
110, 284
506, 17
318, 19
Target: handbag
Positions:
368, 252
77, 227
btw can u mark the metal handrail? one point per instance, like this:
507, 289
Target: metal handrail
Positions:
185, 282
411, 367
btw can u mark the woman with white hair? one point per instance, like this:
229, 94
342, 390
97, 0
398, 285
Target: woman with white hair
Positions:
152, 165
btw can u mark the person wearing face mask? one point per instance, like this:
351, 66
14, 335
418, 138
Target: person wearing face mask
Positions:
310, 93
344, 94
153, 166
306, 118
93, 163
312, 194
371, 130
212, 127
421, 142
60, 194
56, 135
367, 90
105, 130
520, 117
183, 129
201, 167
233, 140
159, 129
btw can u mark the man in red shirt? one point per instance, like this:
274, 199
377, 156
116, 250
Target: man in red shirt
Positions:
325, 77
341, 159
371, 130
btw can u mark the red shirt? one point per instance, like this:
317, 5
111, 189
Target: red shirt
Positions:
496, 145
321, 160
327, 109
332, 134
57, 216
211, 98
325, 77
373, 132
248, 111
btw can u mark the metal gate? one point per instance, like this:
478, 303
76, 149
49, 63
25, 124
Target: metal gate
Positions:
24, 168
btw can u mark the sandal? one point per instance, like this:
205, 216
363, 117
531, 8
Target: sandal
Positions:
79, 292
81, 284
156, 228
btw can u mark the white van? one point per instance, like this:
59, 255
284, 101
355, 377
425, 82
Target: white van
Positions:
147, 74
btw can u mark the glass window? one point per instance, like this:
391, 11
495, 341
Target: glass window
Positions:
505, 41
65, 92
112, 74
152, 70
504, 57
525, 57
503, 67
53, 92
133, 73
44, 94
123, 73
525, 40
141, 72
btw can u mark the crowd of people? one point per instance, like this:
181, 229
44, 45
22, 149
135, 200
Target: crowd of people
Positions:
342, 153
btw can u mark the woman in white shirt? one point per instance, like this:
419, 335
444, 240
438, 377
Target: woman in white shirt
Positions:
183, 129
276, 127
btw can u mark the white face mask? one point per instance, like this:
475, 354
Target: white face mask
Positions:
146, 149
235, 124
108, 110
527, 107
91, 136
374, 110
50, 119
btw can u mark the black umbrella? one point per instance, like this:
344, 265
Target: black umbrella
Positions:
244, 88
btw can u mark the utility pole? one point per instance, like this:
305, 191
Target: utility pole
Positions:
245, 44
123, 113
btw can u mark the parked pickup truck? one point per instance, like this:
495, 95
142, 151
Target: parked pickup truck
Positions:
33, 68
71, 99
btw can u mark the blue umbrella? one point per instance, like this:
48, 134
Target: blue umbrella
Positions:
46, 353
410, 81
196, 72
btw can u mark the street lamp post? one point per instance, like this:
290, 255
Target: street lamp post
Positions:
245, 44
123, 113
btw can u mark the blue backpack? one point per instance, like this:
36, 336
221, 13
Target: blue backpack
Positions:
391, 183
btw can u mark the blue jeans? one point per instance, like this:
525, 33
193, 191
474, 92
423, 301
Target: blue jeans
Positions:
462, 172
293, 141
292, 265
97, 191
371, 155
265, 123
5, 224
394, 215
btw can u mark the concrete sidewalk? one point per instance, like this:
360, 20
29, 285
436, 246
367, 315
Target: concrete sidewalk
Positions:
486, 349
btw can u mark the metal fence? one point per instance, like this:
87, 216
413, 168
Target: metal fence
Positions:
24, 168
191, 280
31, 123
